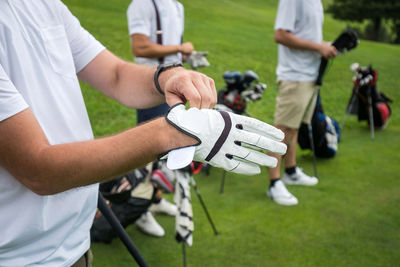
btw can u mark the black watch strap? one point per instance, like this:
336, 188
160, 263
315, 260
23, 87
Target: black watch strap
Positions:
160, 69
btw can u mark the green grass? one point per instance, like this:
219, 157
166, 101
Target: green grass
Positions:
352, 218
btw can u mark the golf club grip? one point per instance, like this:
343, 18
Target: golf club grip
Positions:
116, 225
321, 71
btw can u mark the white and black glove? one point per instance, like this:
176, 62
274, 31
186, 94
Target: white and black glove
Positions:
226, 140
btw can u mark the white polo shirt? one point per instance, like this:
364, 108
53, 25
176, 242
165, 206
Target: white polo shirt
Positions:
142, 20
42, 47
304, 19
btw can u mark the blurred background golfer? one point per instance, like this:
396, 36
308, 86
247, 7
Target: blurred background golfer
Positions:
156, 32
298, 32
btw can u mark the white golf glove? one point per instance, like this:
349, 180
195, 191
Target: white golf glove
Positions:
226, 140
198, 60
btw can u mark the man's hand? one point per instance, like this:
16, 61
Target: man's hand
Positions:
327, 51
288, 39
186, 48
181, 85
226, 140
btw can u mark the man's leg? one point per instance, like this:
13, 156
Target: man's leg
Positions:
277, 190
290, 156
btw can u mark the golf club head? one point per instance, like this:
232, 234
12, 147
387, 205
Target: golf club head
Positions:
233, 79
249, 76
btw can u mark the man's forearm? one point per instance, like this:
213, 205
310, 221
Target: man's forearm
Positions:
152, 50
290, 40
130, 84
143, 47
49, 169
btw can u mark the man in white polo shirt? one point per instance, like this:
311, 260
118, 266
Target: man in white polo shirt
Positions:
49, 163
44, 126
298, 31
152, 46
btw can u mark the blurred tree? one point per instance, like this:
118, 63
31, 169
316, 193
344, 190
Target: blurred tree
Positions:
374, 11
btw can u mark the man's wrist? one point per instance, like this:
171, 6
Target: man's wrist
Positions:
172, 138
180, 48
159, 70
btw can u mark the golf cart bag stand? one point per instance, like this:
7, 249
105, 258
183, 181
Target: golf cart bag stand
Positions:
310, 133
346, 41
184, 220
189, 171
116, 225
240, 88
366, 101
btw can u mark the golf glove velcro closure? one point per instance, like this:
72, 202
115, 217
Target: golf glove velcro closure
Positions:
226, 140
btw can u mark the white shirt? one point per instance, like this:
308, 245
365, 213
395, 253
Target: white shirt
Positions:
142, 20
304, 19
42, 47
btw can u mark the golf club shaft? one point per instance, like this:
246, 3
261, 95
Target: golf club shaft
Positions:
371, 115
310, 136
206, 211
203, 205
184, 254
221, 189
116, 225
310, 133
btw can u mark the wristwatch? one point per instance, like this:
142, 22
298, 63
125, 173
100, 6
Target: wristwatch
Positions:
160, 69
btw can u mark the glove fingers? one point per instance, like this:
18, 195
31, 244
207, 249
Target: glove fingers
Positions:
246, 168
255, 157
262, 142
258, 127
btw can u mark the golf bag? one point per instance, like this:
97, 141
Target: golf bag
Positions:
125, 207
325, 131
239, 89
162, 177
366, 101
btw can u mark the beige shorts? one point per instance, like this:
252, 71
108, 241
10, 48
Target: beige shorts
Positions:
292, 102
85, 261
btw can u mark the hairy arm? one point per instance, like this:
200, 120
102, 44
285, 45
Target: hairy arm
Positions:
143, 47
288, 39
133, 85
49, 169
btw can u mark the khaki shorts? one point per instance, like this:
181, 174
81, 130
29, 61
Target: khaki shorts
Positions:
292, 101
85, 261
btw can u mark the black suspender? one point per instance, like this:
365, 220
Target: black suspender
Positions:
159, 31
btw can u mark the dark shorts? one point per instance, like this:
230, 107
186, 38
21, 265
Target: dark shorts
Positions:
151, 113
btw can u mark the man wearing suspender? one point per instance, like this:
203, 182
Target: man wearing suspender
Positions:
156, 30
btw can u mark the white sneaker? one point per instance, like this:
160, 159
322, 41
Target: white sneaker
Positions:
148, 225
281, 195
164, 207
299, 178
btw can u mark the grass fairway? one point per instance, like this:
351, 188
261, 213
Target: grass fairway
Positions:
351, 218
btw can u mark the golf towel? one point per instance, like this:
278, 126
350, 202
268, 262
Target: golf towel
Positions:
184, 219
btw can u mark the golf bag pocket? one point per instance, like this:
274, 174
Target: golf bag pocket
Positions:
325, 133
162, 177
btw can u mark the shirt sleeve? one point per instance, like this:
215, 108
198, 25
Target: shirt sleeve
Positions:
140, 16
286, 15
11, 101
84, 47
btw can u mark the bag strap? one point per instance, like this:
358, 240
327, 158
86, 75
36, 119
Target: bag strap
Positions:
159, 31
